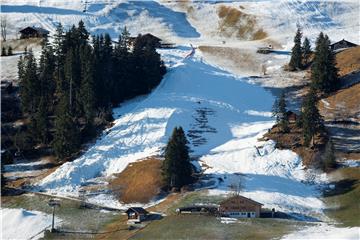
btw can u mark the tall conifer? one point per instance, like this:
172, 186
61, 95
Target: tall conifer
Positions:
296, 53
177, 169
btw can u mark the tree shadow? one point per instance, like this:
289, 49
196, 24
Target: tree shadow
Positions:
341, 187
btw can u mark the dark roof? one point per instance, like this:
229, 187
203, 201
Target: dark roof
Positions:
241, 197
38, 29
138, 210
344, 41
152, 36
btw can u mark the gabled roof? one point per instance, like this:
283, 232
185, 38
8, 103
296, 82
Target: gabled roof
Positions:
38, 29
344, 41
138, 210
239, 197
152, 36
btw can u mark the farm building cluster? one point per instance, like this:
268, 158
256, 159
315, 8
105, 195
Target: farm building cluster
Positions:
236, 206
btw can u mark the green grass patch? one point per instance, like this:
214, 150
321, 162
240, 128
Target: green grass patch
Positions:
196, 198
74, 218
343, 201
209, 227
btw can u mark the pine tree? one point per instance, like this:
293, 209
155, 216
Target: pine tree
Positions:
3, 51
280, 113
296, 53
29, 83
306, 49
87, 94
46, 75
329, 159
39, 123
66, 138
324, 74
312, 121
124, 39
59, 52
177, 169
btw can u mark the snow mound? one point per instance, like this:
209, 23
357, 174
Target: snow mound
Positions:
325, 231
23, 224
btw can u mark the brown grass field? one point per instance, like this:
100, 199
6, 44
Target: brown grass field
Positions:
140, 182
348, 61
242, 25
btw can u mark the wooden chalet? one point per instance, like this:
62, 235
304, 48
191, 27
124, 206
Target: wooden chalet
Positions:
136, 214
33, 32
343, 44
240, 207
149, 39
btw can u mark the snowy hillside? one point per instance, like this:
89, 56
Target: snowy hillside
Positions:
222, 113
201, 21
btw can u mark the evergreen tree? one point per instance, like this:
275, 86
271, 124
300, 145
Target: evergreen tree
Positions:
46, 75
324, 74
66, 138
280, 112
29, 83
177, 169
124, 39
87, 84
10, 51
296, 53
306, 49
59, 52
39, 123
3, 51
312, 121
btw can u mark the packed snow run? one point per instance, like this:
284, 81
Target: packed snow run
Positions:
29, 224
223, 114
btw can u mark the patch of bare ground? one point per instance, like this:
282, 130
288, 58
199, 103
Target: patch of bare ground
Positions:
235, 23
140, 182
341, 112
21, 44
294, 140
29, 176
343, 105
348, 61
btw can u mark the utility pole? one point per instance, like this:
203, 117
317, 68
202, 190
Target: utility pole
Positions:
53, 203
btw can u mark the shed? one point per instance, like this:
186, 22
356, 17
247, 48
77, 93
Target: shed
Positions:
240, 207
33, 32
208, 209
342, 44
136, 214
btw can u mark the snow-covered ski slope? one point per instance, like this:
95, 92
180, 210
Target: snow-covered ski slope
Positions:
199, 20
222, 114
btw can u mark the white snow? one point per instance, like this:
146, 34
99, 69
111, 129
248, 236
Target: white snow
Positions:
325, 231
236, 112
23, 224
228, 220
143, 126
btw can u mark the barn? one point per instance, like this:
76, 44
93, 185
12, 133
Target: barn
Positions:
33, 32
342, 45
240, 207
136, 214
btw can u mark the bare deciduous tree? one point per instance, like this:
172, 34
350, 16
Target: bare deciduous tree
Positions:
236, 188
3, 26
263, 69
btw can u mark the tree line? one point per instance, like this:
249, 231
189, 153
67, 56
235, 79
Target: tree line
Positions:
324, 74
324, 79
72, 88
